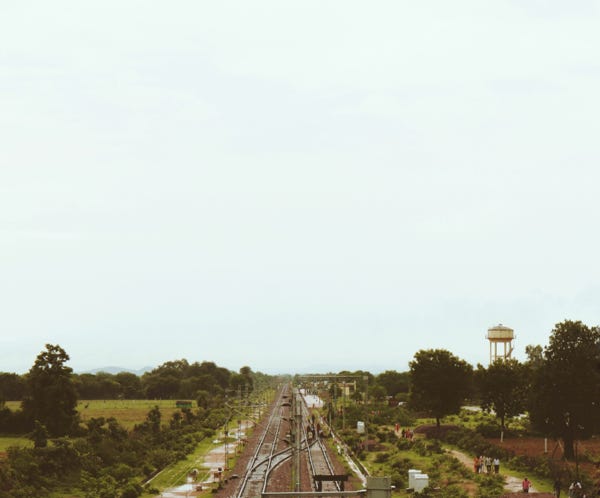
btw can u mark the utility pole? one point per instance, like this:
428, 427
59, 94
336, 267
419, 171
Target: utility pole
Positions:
298, 424
366, 379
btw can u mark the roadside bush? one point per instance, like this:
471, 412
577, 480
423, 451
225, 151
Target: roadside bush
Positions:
385, 435
399, 467
398, 480
404, 444
447, 492
488, 429
475, 443
425, 447
131, 491
382, 457
490, 485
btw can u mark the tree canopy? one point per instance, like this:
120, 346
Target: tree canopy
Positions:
564, 399
51, 398
440, 382
502, 387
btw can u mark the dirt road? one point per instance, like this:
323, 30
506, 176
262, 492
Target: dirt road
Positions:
512, 483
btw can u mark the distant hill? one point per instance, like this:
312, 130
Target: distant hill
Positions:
116, 370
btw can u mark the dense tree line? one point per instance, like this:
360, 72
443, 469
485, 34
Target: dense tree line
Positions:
103, 459
98, 456
558, 385
171, 380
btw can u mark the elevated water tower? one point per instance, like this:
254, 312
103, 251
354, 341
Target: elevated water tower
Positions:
500, 335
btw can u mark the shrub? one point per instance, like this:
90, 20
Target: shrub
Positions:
382, 457
490, 486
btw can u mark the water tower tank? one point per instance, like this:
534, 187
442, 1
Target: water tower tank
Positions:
500, 335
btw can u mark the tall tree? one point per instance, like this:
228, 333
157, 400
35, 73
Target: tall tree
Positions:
12, 386
502, 387
51, 397
394, 382
440, 382
565, 393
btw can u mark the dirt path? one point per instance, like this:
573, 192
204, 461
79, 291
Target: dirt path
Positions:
512, 483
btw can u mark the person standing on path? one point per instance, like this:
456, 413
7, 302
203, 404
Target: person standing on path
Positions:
526, 485
557, 488
496, 465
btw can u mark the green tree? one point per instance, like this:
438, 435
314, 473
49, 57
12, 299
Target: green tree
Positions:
12, 386
153, 419
131, 385
440, 382
535, 355
378, 393
564, 400
394, 382
39, 436
502, 387
203, 399
51, 397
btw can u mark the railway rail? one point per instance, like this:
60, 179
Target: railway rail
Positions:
267, 454
276, 446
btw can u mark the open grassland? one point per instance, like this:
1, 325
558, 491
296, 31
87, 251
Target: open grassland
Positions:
128, 412
8, 441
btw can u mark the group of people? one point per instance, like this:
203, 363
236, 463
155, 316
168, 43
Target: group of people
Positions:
404, 432
486, 465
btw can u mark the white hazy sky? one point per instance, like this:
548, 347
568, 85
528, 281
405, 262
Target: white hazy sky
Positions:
295, 186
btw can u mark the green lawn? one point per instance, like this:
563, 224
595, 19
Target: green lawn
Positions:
176, 474
8, 441
128, 412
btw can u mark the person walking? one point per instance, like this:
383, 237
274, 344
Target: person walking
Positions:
557, 488
575, 489
526, 484
496, 465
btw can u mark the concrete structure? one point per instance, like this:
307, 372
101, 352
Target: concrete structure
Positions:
500, 335
421, 482
411, 477
417, 481
379, 487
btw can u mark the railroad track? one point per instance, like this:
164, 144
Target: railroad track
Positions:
274, 448
319, 461
268, 453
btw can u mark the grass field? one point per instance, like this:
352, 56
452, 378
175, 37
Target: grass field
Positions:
128, 412
8, 441
176, 474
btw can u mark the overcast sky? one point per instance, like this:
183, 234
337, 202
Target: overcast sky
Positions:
295, 186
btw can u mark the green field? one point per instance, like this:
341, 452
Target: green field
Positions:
128, 412
176, 474
8, 441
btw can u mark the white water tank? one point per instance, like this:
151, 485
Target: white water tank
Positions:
500, 335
